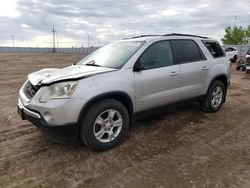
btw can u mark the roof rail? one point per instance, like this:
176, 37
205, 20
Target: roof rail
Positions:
171, 34
143, 36
187, 35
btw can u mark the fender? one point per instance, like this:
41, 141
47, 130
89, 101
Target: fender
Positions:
121, 96
224, 79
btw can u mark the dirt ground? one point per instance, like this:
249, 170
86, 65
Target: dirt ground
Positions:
188, 148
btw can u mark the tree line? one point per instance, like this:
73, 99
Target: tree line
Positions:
236, 35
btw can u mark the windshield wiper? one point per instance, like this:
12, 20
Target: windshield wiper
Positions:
92, 63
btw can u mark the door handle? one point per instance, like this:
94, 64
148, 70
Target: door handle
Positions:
173, 73
204, 68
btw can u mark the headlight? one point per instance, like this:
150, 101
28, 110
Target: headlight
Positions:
59, 90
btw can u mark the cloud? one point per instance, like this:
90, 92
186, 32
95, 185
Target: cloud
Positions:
110, 20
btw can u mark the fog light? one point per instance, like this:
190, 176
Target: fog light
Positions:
48, 117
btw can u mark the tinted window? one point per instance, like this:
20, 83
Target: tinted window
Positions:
157, 55
186, 51
228, 49
214, 48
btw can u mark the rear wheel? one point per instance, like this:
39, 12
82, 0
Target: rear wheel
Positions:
215, 97
104, 125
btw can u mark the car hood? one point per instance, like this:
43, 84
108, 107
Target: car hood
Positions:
48, 76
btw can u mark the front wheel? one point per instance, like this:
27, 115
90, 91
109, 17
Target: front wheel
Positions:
104, 125
215, 97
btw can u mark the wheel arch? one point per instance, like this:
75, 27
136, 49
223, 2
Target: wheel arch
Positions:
224, 79
120, 96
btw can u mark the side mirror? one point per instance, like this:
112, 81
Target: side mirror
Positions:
138, 67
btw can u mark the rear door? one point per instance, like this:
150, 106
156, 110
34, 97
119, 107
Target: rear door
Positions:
193, 67
158, 84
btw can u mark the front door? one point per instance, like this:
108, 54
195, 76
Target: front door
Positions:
158, 84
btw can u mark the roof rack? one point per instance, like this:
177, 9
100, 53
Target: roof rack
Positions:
187, 35
139, 36
171, 34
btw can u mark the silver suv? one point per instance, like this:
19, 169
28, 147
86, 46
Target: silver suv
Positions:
95, 100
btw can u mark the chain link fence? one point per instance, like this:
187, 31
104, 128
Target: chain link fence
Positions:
46, 50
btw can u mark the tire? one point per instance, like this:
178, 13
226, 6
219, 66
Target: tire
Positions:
238, 68
244, 68
234, 59
212, 104
104, 125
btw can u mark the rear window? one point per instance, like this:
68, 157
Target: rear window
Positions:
186, 51
229, 50
214, 48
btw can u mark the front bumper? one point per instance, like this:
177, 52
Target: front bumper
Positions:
66, 133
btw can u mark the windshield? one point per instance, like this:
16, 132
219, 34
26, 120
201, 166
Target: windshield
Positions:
112, 55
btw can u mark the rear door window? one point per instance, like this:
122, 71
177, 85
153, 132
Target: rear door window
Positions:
214, 48
186, 51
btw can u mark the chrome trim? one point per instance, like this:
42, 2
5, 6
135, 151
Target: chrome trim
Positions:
27, 111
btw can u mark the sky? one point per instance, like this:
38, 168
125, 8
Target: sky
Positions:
29, 22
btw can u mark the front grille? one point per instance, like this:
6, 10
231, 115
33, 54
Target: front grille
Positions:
30, 90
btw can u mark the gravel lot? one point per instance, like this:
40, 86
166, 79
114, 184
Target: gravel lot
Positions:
188, 148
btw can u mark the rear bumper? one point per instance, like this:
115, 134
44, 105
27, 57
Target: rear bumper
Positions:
67, 133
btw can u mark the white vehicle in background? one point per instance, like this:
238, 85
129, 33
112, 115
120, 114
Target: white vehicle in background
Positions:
248, 61
232, 54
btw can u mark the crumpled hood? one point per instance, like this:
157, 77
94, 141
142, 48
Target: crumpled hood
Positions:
47, 76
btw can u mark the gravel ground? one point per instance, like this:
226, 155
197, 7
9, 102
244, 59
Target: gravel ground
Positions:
187, 148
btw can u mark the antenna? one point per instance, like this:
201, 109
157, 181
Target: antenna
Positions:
54, 40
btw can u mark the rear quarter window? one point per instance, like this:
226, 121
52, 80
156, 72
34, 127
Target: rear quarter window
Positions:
214, 48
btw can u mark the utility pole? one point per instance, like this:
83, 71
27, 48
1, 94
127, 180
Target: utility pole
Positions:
88, 44
13, 40
54, 40
235, 18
